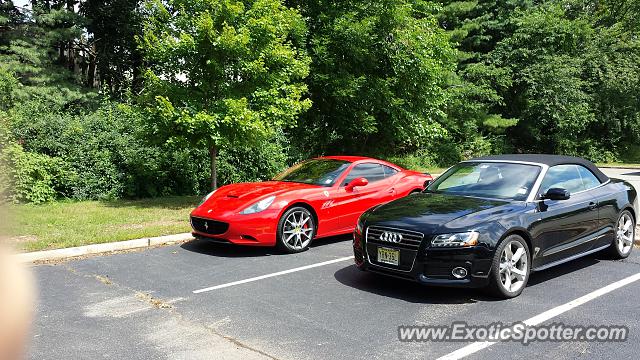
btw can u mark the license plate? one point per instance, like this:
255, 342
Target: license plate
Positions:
388, 256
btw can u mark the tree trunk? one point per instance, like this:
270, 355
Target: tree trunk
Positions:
91, 68
213, 153
136, 63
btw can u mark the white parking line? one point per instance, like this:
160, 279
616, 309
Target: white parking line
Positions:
549, 314
273, 274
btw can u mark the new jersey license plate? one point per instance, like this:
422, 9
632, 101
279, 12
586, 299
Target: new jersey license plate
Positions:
388, 256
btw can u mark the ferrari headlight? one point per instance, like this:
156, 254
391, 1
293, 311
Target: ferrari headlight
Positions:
456, 240
207, 197
259, 206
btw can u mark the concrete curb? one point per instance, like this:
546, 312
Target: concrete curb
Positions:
102, 248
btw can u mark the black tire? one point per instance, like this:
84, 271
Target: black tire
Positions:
308, 229
614, 249
495, 286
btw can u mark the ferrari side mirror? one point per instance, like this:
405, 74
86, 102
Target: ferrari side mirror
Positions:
357, 182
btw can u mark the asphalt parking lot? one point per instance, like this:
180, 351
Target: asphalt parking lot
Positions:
200, 300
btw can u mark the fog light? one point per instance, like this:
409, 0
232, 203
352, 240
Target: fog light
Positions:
459, 273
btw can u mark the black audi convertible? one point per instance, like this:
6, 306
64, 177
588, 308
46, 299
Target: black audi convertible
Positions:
491, 221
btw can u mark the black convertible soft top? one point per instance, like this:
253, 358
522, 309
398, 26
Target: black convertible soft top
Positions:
550, 160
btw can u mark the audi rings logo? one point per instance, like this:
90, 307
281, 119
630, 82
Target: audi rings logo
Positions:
391, 237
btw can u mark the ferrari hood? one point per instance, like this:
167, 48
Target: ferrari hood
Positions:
235, 197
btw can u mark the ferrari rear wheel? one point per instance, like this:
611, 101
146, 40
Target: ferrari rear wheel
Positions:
296, 229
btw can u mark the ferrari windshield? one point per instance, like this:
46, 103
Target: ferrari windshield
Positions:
495, 180
322, 172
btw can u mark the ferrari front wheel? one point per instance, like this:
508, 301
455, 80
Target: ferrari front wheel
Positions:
296, 229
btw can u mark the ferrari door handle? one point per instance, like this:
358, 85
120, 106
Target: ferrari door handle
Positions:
391, 191
593, 206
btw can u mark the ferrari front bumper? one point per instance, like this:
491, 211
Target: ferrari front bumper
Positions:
254, 230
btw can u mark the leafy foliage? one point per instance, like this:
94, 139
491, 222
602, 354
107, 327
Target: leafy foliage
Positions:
378, 76
26, 43
223, 73
107, 99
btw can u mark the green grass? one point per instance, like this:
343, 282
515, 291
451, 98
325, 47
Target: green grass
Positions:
66, 224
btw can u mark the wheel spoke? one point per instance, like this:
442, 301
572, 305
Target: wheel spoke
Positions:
507, 280
627, 225
519, 274
508, 252
289, 238
518, 254
503, 267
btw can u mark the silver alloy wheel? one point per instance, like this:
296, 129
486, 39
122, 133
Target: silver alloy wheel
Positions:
513, 266
297, 230
625, 234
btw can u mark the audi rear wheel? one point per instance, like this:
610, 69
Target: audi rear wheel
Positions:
622, 243
296, 230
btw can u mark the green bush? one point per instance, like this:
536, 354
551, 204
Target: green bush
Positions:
255, 163
35, 178
7, 85
108, 154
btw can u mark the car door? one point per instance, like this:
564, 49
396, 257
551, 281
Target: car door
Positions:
564, 228
351, 203
607, 207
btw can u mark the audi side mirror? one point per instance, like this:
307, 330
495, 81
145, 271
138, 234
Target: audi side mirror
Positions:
426, 184
557, 194
357, 182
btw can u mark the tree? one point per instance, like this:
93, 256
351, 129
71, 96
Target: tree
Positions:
378, 78
477, 111
43, 49
223, 72
556, 76
113, 26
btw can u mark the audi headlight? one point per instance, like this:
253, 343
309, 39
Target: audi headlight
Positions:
456, 240
259, 206
207, 197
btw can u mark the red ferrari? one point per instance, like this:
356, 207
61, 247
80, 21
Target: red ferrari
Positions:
313, 199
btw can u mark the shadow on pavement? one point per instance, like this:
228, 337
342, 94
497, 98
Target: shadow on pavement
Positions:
636, 173
229, 250
417, 293
406, 290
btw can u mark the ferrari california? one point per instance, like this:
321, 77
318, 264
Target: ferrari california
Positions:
314, 199
491, 221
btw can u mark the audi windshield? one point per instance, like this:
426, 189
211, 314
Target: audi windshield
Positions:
508, 181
